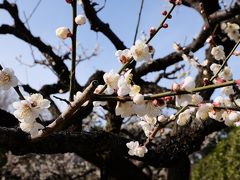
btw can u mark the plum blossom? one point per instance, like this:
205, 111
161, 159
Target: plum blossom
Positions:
161, 118
228, 90
218, 52
63, 32
215, 67
80, 19
124, 109
31, 128
196, 99
152, 110
231, 118
226, 73
184, 117
123, 55
135, 149
28, 110
124, 84
232, 30
203, 110
188, 84
183, 100
7, 79
216, 113
140, 51
25, 112
138, 99
135, 89
111, 79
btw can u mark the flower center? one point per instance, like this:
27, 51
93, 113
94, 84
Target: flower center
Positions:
5, 77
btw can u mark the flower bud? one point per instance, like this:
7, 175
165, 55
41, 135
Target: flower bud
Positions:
80, 20
63, 32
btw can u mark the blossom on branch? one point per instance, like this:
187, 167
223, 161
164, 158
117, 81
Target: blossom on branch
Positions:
7, 79
140, 51
80, 19
135, 149
63, 32
124, 55
218, 52
28, 110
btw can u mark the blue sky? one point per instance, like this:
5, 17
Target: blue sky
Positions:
121, 15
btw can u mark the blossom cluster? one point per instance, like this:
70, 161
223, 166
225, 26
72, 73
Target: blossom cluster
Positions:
139, 51
28, 110
232, 30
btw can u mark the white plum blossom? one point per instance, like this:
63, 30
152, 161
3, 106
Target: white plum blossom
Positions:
25, 112
218, 52
161, 118
215, 67
150, 119
28, 110
135, 149
124, 109
203, 110
217, 113
184, 117
196, 99
138, 99
152, 110
124, 84
63, 32
31, 128
80, 19
134, 90
231, 118
232, 30
38, 102
79, 95
111, 79
140, 51
228, 90
183, 100
123, 55
188, 84
237, 101
7, 79
226, 73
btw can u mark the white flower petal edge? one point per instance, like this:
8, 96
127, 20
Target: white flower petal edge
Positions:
135, 149
7, 79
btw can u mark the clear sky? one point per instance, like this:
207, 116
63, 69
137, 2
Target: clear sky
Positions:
121, 15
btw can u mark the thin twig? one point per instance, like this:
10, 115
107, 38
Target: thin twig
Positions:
33, 11
98, 97
74, 49
138, 21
